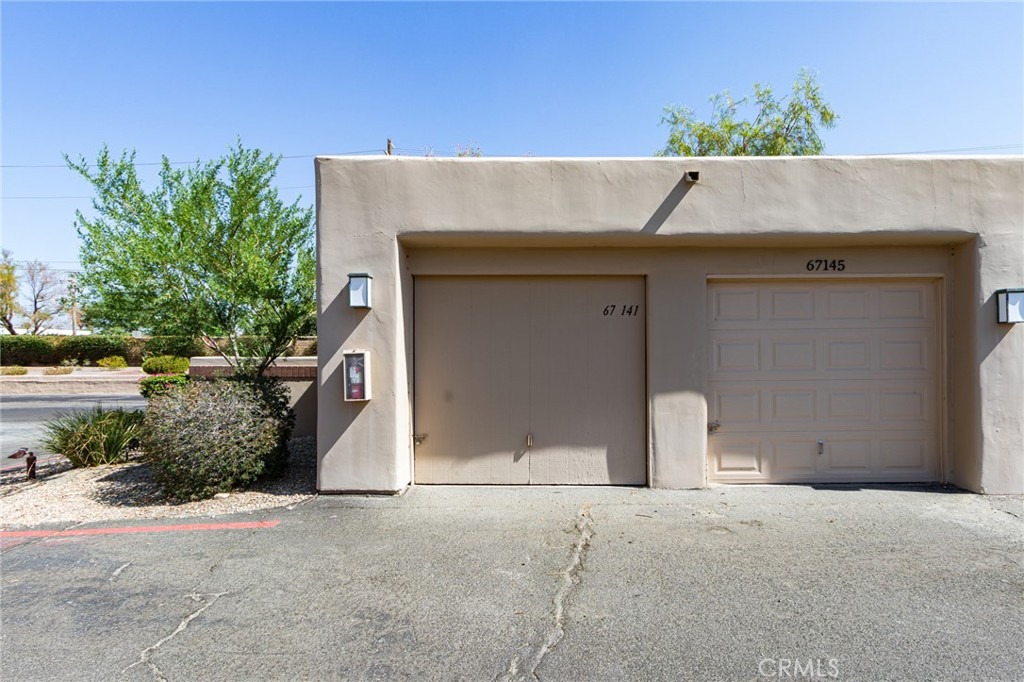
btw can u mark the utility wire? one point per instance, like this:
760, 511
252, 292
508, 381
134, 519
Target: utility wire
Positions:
183, 163
280, 189
946, 151
435, 152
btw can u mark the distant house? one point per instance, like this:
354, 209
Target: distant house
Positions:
672, 323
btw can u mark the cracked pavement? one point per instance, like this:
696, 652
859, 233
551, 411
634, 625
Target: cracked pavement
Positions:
465, 583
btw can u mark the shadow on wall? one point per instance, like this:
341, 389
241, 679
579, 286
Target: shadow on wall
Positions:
343, 323
988, 311
304, 405
661, 214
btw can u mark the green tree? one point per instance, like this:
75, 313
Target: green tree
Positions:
210, 252
780, 127
10, 308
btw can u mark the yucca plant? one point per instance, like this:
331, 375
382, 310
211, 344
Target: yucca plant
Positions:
93, 437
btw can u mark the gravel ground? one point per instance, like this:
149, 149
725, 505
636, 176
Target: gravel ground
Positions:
62, 494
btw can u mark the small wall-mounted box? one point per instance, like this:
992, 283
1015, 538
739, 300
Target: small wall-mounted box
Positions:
357, 374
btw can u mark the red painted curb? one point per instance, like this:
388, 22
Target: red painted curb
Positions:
135, 529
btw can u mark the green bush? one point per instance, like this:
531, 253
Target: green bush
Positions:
159, 384
112, 362
134, 350
91, 348
92, 437
26, 349
53, 371
213, 436
180, 346
165, 364
13, 371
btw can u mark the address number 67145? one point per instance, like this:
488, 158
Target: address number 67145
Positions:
820, 264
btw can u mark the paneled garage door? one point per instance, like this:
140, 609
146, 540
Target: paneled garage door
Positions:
823, 381
536, 380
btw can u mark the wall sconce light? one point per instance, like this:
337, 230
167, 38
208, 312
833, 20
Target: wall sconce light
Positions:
359, 290
691, 176
1009, 306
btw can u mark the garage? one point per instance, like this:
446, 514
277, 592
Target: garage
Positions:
670, 322
530, 380
823, 380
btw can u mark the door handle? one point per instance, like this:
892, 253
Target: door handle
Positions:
714, 426
529, 440
821, 447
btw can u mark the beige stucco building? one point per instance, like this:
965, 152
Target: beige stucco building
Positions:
613, 321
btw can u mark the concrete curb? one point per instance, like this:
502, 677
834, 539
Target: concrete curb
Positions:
41, 385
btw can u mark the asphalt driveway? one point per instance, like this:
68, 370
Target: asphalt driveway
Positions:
445, 583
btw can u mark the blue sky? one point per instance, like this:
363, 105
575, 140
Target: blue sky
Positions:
574, 79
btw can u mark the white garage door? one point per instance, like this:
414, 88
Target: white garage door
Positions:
530, 380
823, 381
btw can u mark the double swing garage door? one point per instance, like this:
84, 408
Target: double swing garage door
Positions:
823, 381
530, 380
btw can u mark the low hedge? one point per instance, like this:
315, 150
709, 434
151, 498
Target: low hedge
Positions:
92, 348
25, 349
181, 346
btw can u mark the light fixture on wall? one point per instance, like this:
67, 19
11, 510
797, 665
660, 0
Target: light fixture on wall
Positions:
359, 290
1009, 306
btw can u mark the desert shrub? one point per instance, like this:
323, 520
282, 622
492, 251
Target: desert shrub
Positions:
53, 371
179, 346
159, 384
92, 437
216, 435
310, 349
26, 349
91, 348
165, 364
112, 362
13, 371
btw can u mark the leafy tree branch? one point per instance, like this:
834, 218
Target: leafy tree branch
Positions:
787, 126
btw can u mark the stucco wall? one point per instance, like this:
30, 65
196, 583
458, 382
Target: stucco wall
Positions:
957, 218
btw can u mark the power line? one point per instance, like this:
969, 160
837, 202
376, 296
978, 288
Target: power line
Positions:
948, 151
185, 163
280, 189
435, 152
430, 151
